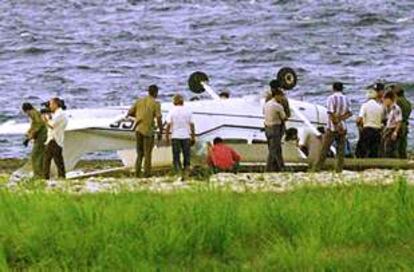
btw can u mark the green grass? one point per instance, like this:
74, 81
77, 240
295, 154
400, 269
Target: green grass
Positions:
334, 229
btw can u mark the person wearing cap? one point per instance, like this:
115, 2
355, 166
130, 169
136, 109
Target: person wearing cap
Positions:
280, 96
392, 131
369, 120
145, 111
274, 118
181, 125
406, 108
339, 110
38, 134
379, 88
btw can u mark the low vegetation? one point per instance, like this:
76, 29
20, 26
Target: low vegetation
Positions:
339, 228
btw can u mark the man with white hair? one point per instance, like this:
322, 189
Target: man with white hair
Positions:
370, 120
181, 125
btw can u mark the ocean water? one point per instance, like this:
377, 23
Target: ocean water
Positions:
97, 53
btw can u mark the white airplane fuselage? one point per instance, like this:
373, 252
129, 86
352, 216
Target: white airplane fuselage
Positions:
236, 120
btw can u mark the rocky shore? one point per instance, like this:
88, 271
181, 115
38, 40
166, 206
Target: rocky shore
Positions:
243, 182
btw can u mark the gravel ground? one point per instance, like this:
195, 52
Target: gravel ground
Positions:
245, 182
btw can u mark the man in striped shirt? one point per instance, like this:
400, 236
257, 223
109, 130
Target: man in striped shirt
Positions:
392, 132
339, 109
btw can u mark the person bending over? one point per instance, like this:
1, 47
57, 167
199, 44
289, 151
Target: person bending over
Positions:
221, 157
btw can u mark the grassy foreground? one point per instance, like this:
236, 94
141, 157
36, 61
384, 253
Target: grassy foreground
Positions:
342, 228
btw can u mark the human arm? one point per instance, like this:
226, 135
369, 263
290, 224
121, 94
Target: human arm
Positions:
396, 131
36, 123
236, 156
348, 112
158, 116
55, 122
397, 128
210, 155
132, 111
345, 116
167, 133
282, 113
360, 118
286, 107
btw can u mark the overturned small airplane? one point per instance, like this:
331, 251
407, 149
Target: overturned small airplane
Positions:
239, 121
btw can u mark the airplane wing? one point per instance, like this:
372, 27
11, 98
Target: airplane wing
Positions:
13, 128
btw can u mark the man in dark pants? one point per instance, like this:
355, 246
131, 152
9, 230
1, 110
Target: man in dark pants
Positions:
274, 118
339, 110
181, 125
405, 107
145, 110
370, 121
56, 124
38, 134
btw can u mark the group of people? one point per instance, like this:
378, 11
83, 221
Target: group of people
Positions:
180, 134
47, 131
382, 122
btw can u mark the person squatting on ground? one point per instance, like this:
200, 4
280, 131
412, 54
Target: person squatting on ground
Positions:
393, 125
339, 110
370, 121
311, 144
405, 107
222, 158
145, 110
38, 134
56, 123
181, 125
274, 118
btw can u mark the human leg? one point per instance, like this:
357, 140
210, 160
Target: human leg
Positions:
140, 153
148, 146
326, 146
340, 152
176, 151
58, 159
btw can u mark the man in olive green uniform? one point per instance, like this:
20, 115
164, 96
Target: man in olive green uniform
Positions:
38, 133
145, 110
405, 106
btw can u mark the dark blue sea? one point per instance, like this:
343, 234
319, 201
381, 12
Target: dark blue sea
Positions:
97, 53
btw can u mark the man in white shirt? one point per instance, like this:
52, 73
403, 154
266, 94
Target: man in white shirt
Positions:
181, 125
56, 124
339, 110
370, 120
311, 144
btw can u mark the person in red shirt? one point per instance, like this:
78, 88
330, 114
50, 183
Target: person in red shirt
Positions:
222, 157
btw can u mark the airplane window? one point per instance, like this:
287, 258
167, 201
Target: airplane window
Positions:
235, 141
259, 142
